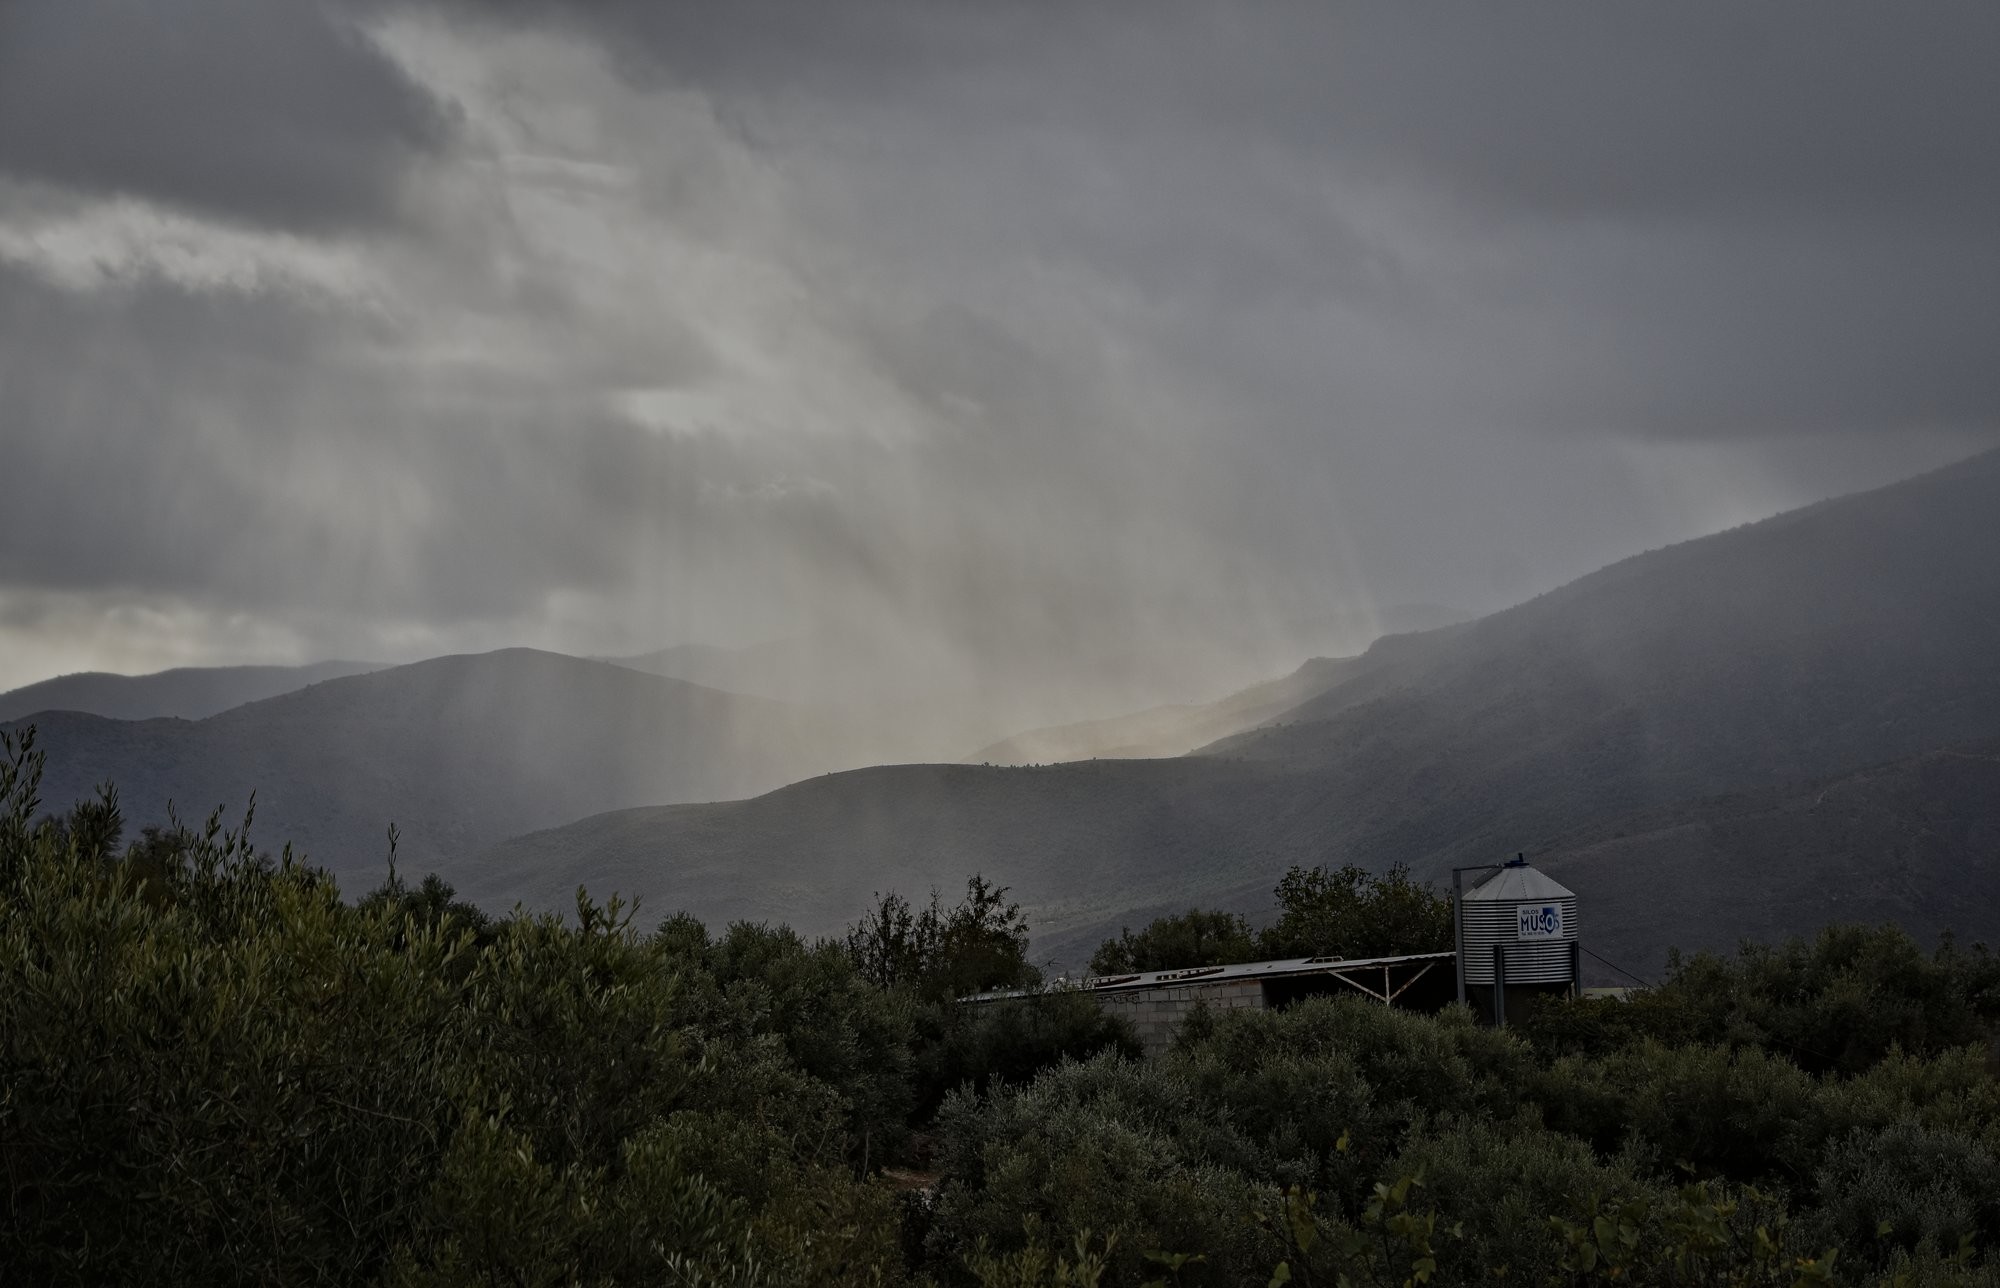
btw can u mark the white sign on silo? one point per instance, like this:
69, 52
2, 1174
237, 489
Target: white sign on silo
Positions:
1540, 921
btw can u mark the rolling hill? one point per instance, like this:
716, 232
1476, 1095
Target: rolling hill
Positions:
1078, 843
1852, 632
1860, 631
458, 752
1915, 841
189, 693
1172, 730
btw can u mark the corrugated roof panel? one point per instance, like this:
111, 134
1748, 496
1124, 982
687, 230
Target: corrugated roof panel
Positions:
1199, 976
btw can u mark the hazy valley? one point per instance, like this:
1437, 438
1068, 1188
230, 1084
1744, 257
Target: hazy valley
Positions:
1649, 729
1861, 632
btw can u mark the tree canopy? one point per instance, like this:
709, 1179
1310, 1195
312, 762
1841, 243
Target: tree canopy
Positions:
215, 1070
1322, 912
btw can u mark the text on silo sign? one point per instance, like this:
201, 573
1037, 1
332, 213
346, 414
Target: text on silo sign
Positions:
1540, 920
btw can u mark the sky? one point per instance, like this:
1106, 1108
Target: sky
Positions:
1138, 348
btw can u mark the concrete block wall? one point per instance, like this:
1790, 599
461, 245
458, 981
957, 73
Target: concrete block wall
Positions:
1156, 1013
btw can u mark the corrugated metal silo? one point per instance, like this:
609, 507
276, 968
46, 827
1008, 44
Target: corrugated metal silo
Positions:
1528, 917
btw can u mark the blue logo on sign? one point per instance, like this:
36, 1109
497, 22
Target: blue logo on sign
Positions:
1540, 921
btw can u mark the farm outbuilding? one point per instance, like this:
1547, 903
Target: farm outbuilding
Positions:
1156, 1002
1516, 931
1517, 934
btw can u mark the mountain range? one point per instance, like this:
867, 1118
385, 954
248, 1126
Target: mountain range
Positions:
189, 692
1859, 632
458, 752
1741, 735
1172, 730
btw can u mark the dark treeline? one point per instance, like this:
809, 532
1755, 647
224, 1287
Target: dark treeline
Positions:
1338, 912
214, 1070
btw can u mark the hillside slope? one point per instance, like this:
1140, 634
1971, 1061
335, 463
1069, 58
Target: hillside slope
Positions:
459, 752
1848, 633
1077, 843
1916, 841
188, 693
1855, 632
1173, 730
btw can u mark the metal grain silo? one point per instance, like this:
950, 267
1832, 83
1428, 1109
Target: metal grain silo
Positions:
1519, 924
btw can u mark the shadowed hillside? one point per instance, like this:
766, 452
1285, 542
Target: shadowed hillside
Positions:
1848, 633
1171, 730
1916, 841
1855, 632
459, 752
1176, 729
189, 692
1077, 843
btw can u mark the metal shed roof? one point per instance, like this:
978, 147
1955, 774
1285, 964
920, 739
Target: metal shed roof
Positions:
1200, 975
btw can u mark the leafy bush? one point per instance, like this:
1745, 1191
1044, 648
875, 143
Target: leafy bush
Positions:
1339, 912
1106, 1145
940, 953
1350, 912
1192, 938
1839, 1001
1009, 1042
1911, 1188
213, 1070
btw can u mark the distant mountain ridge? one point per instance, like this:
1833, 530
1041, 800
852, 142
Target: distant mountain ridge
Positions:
186, 693
1916, 841
1171, 730
756, 670
857, 668
1860, 631
459, 752
1851, 632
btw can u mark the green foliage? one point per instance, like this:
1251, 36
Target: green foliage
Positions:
1009, 1041
213, 1070
1356, 1144
1192, 938
1840, 1001
932, 957
938, 952
431, 905
1337, 912
1035, 1265
833, 1025
1910, 1188
1351, 912
1106, 1145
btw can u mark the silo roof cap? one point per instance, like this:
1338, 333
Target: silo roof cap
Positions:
1513, 884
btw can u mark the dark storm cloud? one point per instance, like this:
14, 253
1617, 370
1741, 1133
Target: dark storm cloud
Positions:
258, 445
1551, 107
1040, 330
279, 113
1681, 221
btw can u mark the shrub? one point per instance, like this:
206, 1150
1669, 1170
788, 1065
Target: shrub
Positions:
939, 953
1092, 1146
1839, 1001
1350, 912
213, 1070
1009, 1041
1192, 938
1908, 1187
1323, 912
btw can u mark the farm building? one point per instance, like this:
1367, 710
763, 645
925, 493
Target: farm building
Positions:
1516, 931
1157, 1001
